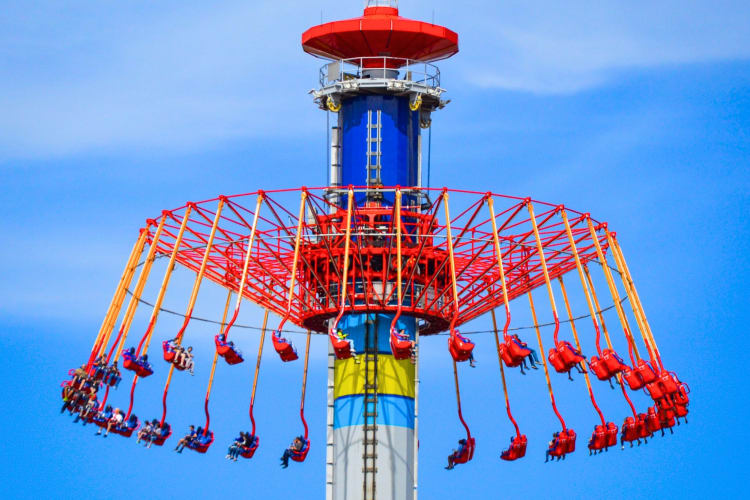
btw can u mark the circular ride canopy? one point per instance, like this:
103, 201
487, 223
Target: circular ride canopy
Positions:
380, 32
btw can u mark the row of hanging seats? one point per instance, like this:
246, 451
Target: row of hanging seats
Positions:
609, 365
283, 347
227, 350
137, 364
564, 357
564, 442
459, 346
124, 429
603, 437
166, 431
517, 448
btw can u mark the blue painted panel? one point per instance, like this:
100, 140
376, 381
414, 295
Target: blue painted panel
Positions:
399, 141
355, 325
397, 411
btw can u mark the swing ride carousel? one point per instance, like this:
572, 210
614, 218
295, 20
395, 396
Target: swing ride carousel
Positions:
374, 263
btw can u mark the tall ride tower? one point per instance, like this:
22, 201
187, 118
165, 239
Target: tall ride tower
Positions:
383, 89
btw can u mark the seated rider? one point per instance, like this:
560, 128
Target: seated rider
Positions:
187, 360
235, 447
456, 454
143, 361
533, 357
340, 335
145, 432
296, 447
114, 421
189, 439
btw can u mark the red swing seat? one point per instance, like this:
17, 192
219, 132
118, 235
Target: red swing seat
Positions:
249, 451
646, 371
564, 443
570, 355
669, 382
460, 347
642, 422
130, 363
169, 352
516, 450
634, 380
681, 396
201, 445
653, 422
285, 349
557, 361
630, 430
599, 367
655, 390
613, 362
400, 347
163, 436
598, 439
226, 351
466, 453
301, 455
341, 347
124, 430
508, 358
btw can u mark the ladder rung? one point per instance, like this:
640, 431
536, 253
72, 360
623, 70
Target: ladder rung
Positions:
370, 469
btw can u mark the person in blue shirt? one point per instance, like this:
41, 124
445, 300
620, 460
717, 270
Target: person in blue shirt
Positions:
188, 439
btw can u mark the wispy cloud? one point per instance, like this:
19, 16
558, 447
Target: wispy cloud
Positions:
182, 75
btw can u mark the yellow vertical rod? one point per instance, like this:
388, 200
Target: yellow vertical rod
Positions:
579, 267
449, 240
127, 320
543, 261
544, 359
260, 352
115, 307
598, 307
199, 276
496, 237
613, 289
213, 365
635, 300
164, 284
300, 221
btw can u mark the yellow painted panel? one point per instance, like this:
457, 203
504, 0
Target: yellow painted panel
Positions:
394, 376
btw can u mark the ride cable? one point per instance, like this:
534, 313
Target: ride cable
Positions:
498, 253
293, 277
452, 262
157, 305
127, 320
213, 365
544, 361
578, 346
345, 277
635, 302
132, 305
110, 318
306, 445
399, 291
540, 250
257, 370
191, 303
243, 278
583, 274
606, 336
632, 348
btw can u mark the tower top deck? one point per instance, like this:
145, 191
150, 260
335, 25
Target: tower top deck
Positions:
380, 32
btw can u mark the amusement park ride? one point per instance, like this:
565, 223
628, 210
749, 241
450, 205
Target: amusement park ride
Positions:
376, 262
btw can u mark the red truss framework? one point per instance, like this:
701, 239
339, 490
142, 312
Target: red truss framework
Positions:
427, 276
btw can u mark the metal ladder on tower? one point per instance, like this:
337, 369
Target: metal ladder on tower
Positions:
370, 409
373, 150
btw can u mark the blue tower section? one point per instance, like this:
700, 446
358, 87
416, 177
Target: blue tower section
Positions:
380, 143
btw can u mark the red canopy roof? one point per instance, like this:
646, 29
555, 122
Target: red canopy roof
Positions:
380, 32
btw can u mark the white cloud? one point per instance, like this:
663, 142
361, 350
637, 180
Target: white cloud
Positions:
177, 75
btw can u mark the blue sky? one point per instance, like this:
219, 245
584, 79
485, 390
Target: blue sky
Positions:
635, 112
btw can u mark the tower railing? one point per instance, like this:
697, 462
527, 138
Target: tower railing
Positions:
380, 67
